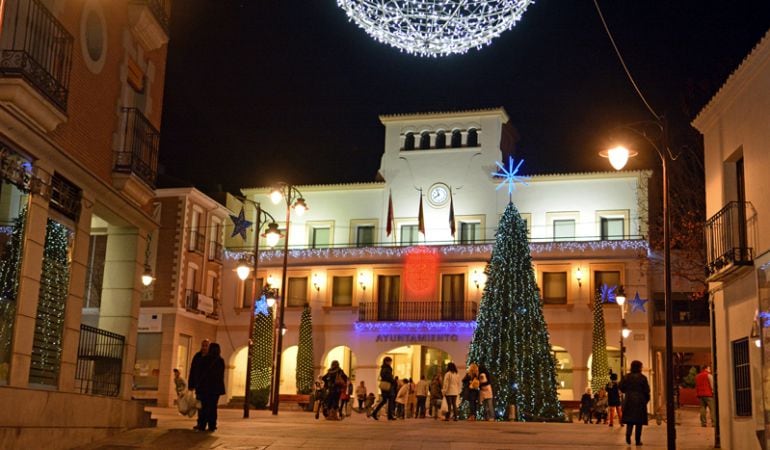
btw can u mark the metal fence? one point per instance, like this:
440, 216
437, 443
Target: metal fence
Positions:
413, 311
100, 362
727, 239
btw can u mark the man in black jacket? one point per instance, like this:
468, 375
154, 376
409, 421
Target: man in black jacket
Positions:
195, 367
389, 395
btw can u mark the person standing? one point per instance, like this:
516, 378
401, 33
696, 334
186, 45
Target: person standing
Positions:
486, 396
637, 392
472, 384
361, 396
387, 387
613, 399
209, 386
451, 389
195, 366
179, 383
704, 389
421, 391
435, 396
402, 397
335, 383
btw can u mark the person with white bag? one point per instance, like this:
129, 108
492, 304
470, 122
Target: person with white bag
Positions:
451, 389
185, 401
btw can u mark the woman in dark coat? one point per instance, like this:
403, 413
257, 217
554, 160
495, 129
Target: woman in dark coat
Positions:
637, 392
335, 381
211, 384
386, 396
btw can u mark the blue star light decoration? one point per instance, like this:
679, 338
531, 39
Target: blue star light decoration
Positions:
637, 304
607, 293
260, 307
510, 176
240, 224
764, 318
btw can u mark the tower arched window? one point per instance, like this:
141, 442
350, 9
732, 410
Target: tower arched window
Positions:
473, 138
457, 138
409, 141
441, 139
424, 140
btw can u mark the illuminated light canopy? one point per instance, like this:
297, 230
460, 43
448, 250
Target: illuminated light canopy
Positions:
434, 27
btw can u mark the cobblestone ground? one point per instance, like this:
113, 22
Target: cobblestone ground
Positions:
299, 430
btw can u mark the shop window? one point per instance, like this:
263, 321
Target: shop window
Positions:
555, 288
342, 291
297, 295
147, 364
741, 378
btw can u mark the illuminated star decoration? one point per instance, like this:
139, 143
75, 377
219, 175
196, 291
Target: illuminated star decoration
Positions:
637, 304
764, 317
510, 176
607, 293
240, 224
260, 307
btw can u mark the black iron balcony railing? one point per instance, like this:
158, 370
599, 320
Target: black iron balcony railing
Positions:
216, 252
197, 242
139, 152
160, 9
417, 311
727, 241
198, 303
100, 361
36, 47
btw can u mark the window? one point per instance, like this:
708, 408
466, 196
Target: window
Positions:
742, 378
469, 232
97, 251
409, 234
452, 297
612, 228
686, 310
441, 139
195, 221
248, 293
424, 140
147, 364
457, 139
409, 141
365, 236
608, 277
564, 230
555, 288
388, 295
563, 367
297, 295
320, 237
473, 138
342, 291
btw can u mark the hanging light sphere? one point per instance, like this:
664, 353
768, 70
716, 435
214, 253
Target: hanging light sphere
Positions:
434, 27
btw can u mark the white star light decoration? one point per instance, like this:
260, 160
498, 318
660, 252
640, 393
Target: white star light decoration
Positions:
510, 176
434, 27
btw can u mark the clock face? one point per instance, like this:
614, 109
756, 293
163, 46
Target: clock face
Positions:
438, 194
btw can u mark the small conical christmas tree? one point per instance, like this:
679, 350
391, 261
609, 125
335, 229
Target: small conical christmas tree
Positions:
600, 373
511, 338
10, 265
261, 354
305, 353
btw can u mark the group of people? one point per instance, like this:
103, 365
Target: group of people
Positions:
631, 409
405, 398
207, 380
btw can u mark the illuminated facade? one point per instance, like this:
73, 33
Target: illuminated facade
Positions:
414, 296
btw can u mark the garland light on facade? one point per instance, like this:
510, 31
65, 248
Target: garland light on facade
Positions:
434, 27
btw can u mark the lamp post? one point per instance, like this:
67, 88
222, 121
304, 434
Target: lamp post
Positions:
293, 198
620, 299
243, 270
618, 157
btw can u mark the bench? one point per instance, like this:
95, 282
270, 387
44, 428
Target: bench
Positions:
300, 399
569, 407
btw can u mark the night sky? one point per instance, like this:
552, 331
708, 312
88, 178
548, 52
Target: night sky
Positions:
259, 91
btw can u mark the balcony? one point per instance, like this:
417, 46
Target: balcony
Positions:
727, 242
197, 242
216, 252
35, 61
417, 311
197, 303
149, 22
136, 160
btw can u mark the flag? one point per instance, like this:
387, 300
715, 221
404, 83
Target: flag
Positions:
451, 214
421, 218
389, 226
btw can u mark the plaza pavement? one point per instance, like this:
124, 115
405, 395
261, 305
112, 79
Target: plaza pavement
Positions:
299, 430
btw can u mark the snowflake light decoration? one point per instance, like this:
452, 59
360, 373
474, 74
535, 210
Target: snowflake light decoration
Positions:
434, 27
607, 294
510, 176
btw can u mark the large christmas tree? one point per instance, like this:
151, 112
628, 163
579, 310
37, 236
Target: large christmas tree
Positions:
600, 372
261, 354
511, 338
305, 353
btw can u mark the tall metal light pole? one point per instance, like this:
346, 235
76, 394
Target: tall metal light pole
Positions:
293, 198
620, 299
243, 273
618, 157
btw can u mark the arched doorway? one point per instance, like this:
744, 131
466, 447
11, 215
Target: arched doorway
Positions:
289, 370
237, 385
413, 361
345, 356
564, 380
613, 361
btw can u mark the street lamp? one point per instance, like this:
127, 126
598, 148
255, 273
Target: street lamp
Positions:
243, 271
293, 198
625, 332
618, 156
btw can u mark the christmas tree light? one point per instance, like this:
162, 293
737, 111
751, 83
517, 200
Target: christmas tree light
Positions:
511, 338
261, 357
305, 376
10, 266
600, 372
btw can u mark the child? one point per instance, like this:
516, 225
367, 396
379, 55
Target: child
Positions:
369, 403
600, 406
585, 407
401, 398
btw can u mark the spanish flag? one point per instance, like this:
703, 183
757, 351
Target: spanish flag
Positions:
389, 226
451, 213
421, 218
